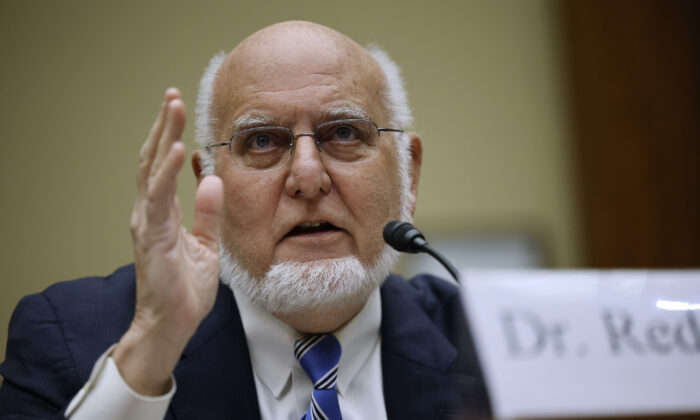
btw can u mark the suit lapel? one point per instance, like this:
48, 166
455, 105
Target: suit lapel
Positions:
423, 377
214, 376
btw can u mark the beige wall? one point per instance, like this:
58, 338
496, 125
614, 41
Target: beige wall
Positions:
82, 80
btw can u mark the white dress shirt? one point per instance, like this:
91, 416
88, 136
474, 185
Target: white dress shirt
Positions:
283, 388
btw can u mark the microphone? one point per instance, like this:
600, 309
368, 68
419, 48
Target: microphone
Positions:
404, 237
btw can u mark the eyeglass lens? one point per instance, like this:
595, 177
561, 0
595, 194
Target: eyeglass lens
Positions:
266, 148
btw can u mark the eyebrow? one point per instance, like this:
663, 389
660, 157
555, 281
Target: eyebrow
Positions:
346, 112
246, 121
256, 119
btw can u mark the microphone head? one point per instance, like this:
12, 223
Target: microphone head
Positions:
403, 237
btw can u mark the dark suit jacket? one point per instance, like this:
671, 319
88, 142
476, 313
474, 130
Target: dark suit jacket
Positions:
429, 367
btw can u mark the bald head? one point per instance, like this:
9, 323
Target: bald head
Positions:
297, 37
296, 46
270, 58
295, 55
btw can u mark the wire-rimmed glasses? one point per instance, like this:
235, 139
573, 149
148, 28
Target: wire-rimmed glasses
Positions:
261, 149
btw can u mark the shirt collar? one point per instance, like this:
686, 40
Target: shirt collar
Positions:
271, 342
358, 338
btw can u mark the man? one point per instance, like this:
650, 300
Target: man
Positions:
304, 161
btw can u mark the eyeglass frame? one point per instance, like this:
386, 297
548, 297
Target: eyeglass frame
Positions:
295, 135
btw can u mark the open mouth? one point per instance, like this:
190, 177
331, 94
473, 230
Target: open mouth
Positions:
312, 227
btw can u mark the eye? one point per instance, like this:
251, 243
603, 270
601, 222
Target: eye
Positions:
261, 141
347, 133
344, 133
265, 140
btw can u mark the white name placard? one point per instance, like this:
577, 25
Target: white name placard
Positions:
587, 343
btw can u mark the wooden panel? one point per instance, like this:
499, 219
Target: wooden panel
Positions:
635, 71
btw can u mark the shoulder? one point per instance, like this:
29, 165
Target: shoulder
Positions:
86, 315
428, 292
423, 300
85, 300
423, 285
88, 291
94, 311
55, 337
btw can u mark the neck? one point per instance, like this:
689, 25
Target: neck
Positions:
322, 320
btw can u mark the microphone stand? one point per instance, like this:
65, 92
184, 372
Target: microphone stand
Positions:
404, 237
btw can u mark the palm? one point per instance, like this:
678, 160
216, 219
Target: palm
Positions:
176, 271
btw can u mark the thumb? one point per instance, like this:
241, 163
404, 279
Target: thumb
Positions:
208, 205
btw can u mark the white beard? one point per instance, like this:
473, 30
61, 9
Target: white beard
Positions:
297, 287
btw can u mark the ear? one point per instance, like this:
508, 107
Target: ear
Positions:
414, 167
197, 166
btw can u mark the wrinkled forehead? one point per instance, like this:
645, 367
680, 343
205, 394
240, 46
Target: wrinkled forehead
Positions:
288, 61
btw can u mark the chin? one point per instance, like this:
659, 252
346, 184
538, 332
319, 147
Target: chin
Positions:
290, 288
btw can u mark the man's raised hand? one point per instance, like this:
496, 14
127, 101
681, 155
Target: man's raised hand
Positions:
176, 271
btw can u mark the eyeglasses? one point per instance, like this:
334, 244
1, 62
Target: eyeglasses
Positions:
266, 148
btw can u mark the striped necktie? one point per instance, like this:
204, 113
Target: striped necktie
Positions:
318, 355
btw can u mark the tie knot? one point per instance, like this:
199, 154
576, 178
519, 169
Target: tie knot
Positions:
318, 355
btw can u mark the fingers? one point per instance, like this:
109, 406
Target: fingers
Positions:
149, 147
172, 131
208, 207
163, 185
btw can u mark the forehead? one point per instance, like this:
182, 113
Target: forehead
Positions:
297, 75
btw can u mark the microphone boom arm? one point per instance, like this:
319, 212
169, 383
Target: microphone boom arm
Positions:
404, 237
442, 260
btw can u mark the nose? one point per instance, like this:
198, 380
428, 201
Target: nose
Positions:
307, 175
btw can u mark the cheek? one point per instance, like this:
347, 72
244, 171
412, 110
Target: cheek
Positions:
248, 214
375, 196
371, 193
383, 188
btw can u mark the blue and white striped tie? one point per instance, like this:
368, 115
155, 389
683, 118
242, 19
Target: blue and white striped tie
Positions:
318, 355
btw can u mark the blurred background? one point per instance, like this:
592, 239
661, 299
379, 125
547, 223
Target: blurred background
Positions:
556, 134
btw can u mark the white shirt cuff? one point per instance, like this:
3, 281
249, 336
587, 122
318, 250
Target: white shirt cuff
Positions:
108, 397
